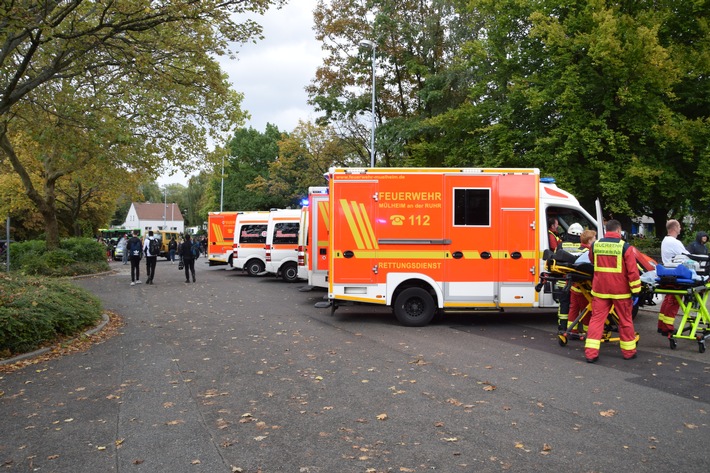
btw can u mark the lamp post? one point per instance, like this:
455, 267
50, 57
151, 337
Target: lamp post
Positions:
370, 44
221, 191
165, 207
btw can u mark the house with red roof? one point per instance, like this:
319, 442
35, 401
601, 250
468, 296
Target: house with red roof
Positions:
160, 216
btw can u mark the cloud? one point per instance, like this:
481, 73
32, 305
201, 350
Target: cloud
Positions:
273, 73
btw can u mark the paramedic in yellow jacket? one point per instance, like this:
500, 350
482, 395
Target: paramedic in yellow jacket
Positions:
616, 282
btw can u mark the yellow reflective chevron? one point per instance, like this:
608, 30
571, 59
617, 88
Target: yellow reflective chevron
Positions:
359, 224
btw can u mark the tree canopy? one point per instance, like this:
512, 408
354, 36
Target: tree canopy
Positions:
612, 99
128, 84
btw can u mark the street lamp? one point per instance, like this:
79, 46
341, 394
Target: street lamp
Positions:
370, 44
221, 191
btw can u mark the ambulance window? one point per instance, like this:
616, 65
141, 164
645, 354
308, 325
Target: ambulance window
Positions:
253, 234
286, 233
472, 207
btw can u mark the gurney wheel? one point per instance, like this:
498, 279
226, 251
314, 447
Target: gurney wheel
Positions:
562, 340
701, 347
673, 343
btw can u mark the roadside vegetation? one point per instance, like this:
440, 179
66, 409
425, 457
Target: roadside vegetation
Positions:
37, 306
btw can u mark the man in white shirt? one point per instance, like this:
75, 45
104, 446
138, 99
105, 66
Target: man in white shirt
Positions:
151, 257
670, 248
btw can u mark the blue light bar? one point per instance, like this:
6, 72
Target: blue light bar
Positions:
547, 180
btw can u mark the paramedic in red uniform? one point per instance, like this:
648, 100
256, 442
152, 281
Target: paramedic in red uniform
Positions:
616, 281
577, 300
552, 234
670, 248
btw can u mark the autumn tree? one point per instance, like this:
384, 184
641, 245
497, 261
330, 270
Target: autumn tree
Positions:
128, 84
247, 157
414, 44
305, 155
612, 99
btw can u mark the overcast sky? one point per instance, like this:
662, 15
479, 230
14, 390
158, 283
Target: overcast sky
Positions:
273, 73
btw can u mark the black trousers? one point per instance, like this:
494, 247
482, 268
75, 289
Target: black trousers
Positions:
189, 268
135, 268
150, 266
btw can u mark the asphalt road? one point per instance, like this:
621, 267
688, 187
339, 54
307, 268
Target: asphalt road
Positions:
243, 374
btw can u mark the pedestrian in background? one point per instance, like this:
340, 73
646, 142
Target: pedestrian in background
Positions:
123, 246
151, 248
616, 283
172, 249
135, 250
698, 246
188, 258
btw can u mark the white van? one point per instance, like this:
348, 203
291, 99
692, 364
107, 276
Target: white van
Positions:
248, 252
282, 243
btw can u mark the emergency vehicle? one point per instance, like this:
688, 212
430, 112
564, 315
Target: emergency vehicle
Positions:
248, 251
313, 238
220, 237
426, 240
282, 243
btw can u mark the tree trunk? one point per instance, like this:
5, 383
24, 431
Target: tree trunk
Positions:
660, 217
45, 204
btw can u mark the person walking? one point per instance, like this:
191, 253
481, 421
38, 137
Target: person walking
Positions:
151, 248
123, 245
135, 249
616, 283
188, 259
671, 247
172, 249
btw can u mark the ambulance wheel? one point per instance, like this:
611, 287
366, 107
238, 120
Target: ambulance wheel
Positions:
414, 307
255, 267
289, 272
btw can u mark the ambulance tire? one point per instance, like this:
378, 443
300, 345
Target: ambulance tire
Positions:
254, 267
289, 272
414, 307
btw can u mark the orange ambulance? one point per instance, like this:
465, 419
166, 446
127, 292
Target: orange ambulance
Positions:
427, 240
220, 237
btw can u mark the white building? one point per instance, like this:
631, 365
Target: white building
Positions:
160, 216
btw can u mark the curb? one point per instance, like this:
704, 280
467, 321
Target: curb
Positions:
41, 351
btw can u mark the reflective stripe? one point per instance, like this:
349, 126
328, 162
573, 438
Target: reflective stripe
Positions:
666, 319
592, 343
608, 248
611, 296
627, 345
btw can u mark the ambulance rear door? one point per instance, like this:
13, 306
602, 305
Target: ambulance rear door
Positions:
353, 241
517, 255
472, 230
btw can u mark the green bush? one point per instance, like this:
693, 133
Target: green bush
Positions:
75, 256
36, 311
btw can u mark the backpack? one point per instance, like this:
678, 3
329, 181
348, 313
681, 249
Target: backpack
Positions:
134, 247
153, 246
195, 250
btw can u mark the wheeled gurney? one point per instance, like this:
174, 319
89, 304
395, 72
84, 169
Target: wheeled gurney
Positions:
692, 296
579, 275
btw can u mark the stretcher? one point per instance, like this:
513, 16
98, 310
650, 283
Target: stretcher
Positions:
580, 276
692, 296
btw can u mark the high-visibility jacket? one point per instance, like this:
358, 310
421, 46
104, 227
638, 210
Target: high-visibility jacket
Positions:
616, 275
554, 239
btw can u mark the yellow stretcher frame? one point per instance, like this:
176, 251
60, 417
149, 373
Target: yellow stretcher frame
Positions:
557, 272
693, 301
